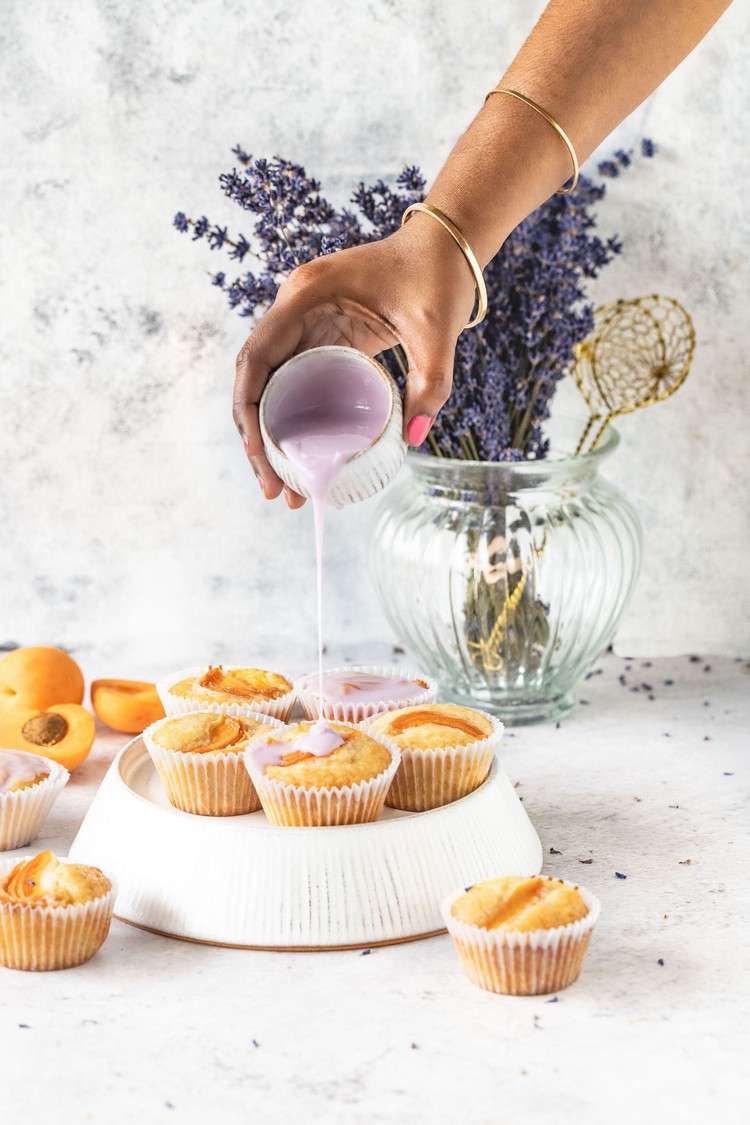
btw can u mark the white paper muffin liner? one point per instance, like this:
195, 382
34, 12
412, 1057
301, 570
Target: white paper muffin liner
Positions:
352, 712
523, 964
367, 472
206, 784
37, 937
23, 812
428, 779
295, 806
280, 708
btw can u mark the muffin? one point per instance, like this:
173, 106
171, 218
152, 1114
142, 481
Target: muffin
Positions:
233, 691
522, 937
53, 915
199, 759
308, 779
352, 695
29, 786
446, 752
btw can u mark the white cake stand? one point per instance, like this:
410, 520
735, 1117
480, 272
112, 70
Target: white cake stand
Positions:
238, 881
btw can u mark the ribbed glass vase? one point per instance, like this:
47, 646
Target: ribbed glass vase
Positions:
507, 579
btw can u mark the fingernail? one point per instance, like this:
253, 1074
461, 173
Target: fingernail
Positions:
244, 442
418, 428
261, 483
288, 498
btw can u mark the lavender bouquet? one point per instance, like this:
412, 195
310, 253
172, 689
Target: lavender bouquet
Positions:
508, 368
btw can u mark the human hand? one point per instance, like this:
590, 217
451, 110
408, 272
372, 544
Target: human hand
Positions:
412, 288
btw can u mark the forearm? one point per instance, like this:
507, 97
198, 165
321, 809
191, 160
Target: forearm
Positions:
589, 63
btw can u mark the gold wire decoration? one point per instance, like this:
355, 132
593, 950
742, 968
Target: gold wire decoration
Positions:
638, 353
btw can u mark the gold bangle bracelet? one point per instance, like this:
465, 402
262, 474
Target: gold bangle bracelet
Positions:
558, 129
466, 250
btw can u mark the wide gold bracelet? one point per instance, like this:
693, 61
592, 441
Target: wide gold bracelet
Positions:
466, 250
558, 128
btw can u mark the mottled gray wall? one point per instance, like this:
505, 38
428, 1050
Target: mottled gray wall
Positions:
131, 527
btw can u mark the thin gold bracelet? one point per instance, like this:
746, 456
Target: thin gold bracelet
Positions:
466, 250
558, 128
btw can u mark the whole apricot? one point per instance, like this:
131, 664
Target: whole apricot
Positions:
39, 677
126, 705
64, 733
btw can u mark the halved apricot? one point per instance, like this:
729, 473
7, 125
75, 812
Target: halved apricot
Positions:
126, 705
64, 733
39, 676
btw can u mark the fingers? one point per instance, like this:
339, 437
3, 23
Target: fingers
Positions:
427, 387
272, 342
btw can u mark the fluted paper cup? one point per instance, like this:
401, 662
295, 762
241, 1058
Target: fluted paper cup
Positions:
35, 937
347, 711
295, 806
213, 783
279, 709
366, 472
428, 779
523, 964
23, 812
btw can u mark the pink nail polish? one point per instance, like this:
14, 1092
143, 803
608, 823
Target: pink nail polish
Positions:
261, 484
244, 442
418, 428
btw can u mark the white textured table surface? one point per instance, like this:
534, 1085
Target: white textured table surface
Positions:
657, 1027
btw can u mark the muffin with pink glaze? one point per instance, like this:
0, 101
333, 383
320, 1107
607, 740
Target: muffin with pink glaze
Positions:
352, 695
29, 786
309, 775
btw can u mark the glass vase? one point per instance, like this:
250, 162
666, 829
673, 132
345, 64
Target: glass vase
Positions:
507, 579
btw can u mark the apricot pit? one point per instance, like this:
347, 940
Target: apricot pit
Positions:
64, 733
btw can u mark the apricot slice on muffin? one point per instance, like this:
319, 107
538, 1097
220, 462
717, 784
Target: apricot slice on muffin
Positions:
39, 677
64, 733
126, 705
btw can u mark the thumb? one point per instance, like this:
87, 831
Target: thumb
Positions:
428, 385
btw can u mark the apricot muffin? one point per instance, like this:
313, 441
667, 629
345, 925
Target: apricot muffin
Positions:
313, 774
352, 695
53, 915
29, 786
522, 936
232, 690
446, 752
199, 759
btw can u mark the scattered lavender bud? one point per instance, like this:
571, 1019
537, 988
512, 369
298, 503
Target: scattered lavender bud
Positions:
660, 961
620, 875
554, 851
